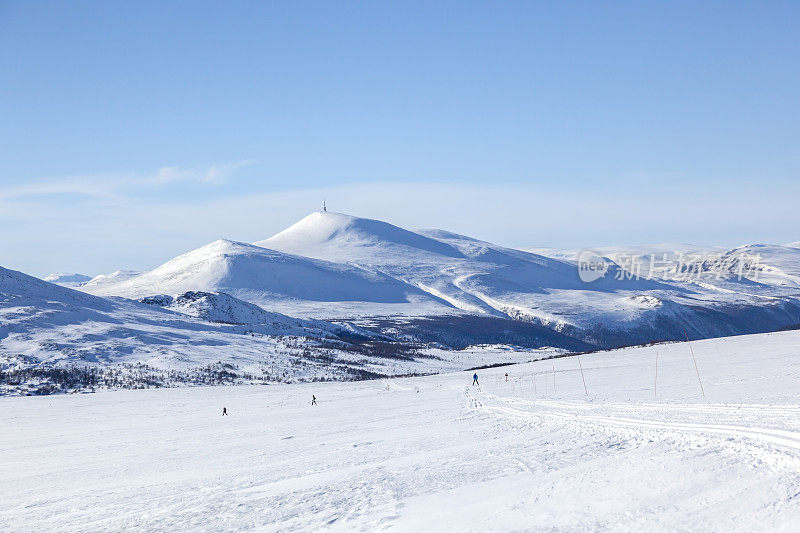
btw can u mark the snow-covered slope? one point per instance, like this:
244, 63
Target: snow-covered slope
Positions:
766, 263
215, 307
274, 280
224, 308
66, 279
44, 327
598, 444
53, 323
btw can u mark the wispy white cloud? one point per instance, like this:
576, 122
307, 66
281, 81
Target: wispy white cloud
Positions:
215, 174
118, 185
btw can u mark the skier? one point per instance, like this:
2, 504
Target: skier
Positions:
506, 377
475, 380
224, 412
313, 400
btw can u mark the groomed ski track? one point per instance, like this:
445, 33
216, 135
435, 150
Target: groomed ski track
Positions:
598, 417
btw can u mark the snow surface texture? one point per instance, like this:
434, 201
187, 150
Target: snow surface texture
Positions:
331, 265
431, 453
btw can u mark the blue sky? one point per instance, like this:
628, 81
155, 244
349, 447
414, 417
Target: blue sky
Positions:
134, 131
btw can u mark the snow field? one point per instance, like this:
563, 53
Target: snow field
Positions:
431, 453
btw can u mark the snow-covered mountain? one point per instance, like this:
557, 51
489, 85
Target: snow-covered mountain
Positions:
232, 303
224, 308
480, 277
97, 282
215, 307
67, 279
274, 280
771, 264
471, 275
70, 322
336, 265
766, 263
46, 330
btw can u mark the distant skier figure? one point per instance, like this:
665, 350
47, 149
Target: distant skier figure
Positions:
506, 377
224, 411
313, 400
475, 380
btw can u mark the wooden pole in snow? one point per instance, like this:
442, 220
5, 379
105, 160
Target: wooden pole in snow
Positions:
583, 378
554, 379
534, 384
655, 385
695, 363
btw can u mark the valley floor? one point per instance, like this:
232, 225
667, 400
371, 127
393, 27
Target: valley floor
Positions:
539, 452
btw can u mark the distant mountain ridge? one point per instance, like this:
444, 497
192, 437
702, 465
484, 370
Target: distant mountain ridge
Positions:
341, 297
67, 279
332, 265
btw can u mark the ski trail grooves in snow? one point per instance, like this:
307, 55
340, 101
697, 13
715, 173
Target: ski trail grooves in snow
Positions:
391, 384
577, 412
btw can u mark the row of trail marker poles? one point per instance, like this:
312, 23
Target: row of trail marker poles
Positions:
695, 363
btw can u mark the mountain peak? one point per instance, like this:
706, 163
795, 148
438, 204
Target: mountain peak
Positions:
317, 227
341, 231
